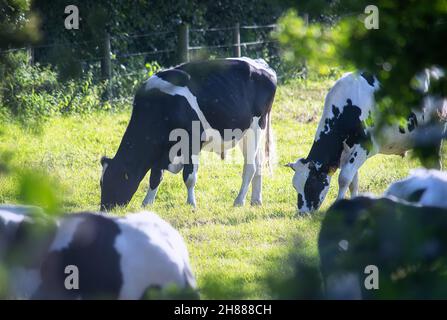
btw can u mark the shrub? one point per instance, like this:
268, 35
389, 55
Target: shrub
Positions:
32, 94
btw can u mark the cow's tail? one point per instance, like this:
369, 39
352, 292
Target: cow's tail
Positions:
270, 147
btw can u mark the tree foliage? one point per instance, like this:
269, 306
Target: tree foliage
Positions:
124, 18
410, 38
18, 25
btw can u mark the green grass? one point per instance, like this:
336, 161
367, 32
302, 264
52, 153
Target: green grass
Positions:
233, 250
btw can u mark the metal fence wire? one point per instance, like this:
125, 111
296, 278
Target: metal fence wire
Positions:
124, 59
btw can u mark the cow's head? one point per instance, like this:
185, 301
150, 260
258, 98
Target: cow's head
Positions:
311, 182
118, 184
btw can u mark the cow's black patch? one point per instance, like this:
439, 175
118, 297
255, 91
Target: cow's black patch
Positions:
368, 77
335, 111
174, 76
344, 126
351, 160
314, 186
300, 202
416, 195
412, 122
92, 251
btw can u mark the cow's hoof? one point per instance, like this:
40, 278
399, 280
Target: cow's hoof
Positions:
191, 203
147, 203
238, 203
256, 203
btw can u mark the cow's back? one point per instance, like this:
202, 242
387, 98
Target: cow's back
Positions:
352, 86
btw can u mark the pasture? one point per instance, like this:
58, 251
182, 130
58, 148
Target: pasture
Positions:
233, 250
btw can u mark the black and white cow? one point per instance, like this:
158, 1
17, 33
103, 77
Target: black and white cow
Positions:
345, 139
220, 97
402, 245
424, 187
116, 258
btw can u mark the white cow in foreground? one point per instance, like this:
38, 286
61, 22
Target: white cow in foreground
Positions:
90, 256
422, 186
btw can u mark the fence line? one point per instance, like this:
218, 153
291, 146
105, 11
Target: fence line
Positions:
149, 34
212, 29
270, 26
125, 35
135, 54
106, 53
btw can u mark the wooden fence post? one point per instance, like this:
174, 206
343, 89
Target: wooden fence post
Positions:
30, 51
183, 43
106, 65
306, 19
237, 40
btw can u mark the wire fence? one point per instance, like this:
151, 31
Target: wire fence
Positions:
124, 59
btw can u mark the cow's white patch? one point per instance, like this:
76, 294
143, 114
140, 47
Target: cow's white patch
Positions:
344, 286
22, 210
191, 183
152, 254
259, 64
326, 189
104, 168
155, 82
343, 245
423, 78
65, 232
150, 196
9, 217
300, 177
431, 183
349, 169
250, 148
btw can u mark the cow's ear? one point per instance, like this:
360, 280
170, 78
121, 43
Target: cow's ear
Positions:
290, 165
105, 160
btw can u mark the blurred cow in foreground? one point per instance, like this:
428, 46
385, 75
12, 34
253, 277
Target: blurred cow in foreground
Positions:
422, 186
381, 248
90, 256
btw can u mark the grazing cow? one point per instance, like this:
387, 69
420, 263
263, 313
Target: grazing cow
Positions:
422, 186
115, 258
345, 139
222, 97
383, 248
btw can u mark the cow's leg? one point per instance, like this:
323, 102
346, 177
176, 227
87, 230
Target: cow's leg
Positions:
348, 171
438, 165
190, 178
256, 183
154, 181
441, 154
250, 147
354, 186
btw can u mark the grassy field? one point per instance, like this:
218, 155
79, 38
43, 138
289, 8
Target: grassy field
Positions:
233, 250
